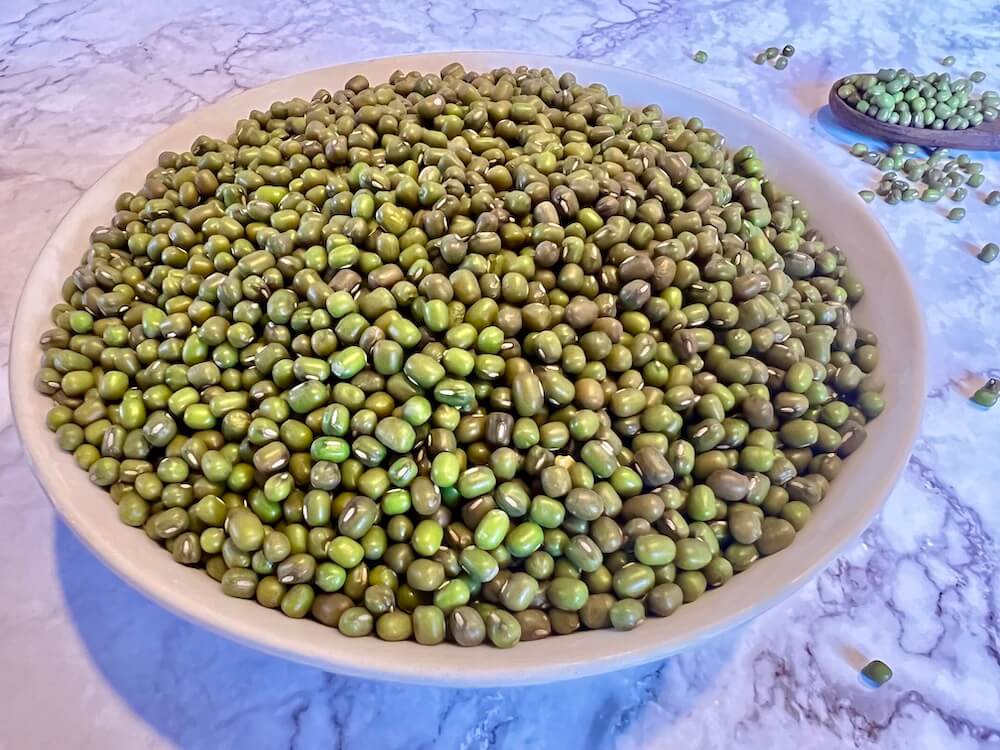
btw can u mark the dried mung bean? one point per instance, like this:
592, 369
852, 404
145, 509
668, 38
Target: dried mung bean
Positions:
876, 673
988, 394
989, 252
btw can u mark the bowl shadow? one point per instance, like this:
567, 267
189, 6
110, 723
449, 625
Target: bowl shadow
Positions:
197, 689
824, 119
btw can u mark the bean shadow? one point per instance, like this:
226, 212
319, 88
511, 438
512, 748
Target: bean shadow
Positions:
198, 690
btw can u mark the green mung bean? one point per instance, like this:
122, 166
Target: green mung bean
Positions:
989, 252
876, 673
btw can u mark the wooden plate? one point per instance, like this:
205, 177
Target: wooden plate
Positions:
985, 137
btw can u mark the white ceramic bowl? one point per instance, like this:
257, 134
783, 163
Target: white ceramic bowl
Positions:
890, 309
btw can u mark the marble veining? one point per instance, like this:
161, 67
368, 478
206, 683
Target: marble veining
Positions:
85, 662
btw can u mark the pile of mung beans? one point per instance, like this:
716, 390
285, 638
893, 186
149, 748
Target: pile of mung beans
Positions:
933, 101
469, 357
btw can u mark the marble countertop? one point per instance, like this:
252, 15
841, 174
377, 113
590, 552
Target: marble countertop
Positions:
85, 662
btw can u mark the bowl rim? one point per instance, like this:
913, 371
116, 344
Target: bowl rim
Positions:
586, 653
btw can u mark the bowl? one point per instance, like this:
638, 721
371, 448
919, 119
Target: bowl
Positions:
982, 137
854, 498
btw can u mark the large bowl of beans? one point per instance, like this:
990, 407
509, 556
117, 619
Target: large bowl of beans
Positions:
478, 355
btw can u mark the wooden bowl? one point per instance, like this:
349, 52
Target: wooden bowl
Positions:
984, 137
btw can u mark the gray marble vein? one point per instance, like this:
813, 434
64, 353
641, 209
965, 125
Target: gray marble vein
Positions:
85, 662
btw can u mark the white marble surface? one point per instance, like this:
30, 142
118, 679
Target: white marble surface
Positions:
87, 663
